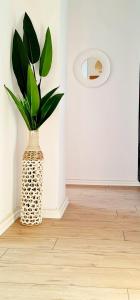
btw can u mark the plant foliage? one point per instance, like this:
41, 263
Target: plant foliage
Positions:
20, 62
46, 56
30, 40
34, 108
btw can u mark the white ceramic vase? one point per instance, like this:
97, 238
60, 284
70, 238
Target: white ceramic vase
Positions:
32, 176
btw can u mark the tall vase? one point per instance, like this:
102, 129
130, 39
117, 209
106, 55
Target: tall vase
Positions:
31, 190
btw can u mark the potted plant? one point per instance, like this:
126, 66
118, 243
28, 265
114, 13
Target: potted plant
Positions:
35, 110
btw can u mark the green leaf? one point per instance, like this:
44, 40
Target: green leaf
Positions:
48, 108
32, 93
20, 62
46, 56
47, 96
30, 40
21, 108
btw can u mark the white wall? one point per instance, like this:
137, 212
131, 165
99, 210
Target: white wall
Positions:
102, 123
13, 132
8, 124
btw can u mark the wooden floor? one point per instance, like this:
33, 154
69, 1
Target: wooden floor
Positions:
93, 253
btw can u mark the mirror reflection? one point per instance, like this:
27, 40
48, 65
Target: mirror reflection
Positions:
92, 68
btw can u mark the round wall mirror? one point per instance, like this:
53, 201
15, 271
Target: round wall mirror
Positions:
92, 68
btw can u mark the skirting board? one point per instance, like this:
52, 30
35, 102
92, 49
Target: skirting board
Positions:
54, 213
102, 182
8, 221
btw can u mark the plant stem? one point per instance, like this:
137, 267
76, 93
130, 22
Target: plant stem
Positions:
34, 71
40, 81
39, 86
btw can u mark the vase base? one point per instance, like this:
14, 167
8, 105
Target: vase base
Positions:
30, 224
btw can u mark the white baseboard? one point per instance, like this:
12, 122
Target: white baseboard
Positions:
102, 182
47, 213
56, 213
8, 221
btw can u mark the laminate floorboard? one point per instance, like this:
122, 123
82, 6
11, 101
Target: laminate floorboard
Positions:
56, 292
92, 253
71, 258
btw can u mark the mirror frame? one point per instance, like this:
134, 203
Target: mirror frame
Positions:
101, 56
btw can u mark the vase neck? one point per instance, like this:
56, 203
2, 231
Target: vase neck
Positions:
33, 141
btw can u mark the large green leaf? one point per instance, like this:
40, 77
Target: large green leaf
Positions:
47, 96
20, 62
46, 56
48, 108
21, 108
32, 93
30, 40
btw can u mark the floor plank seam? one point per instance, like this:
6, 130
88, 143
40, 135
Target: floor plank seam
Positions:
63, 285
89, 238
44, 248
136, 208
91, 252
54, 244
6, 263
124, 236
4, 253
128, 294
